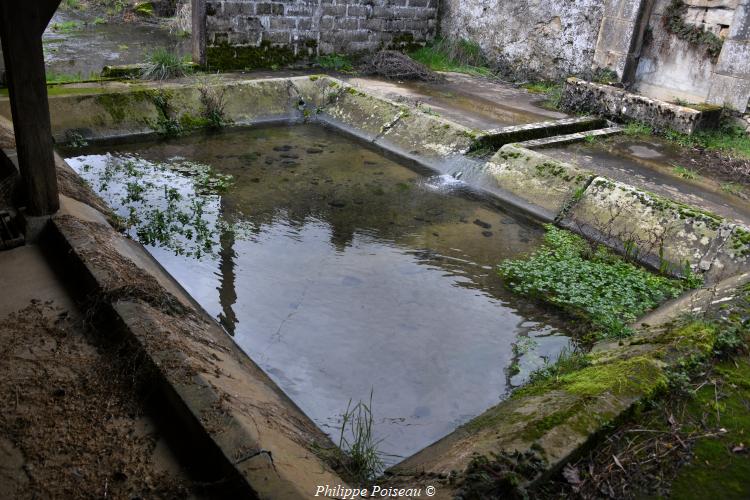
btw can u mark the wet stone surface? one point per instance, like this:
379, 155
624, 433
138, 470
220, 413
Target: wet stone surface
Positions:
82, 43
344, 272
653, 165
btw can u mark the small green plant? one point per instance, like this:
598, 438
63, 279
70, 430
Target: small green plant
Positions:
569, 360
66, 26
605, 76
99, 21
213, 101
335, 62
72, 4
361, 458
590, 139
685, 173
591, 284
162, 64
638, 129
553, 91
457, 55
144, 9
732, 188
674, 22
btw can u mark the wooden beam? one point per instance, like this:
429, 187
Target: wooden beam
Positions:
199, 31
47, 9
21, 27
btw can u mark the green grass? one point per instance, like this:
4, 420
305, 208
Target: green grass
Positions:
66, 27
685, 173
553, 91
73, 4
731, 188
162, 64
728, 139
637, 129
335, 62
54, 78
361, 457
456, 55
599, 289
144, 9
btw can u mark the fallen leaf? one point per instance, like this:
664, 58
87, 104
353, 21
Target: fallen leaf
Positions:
740, 448
617, 461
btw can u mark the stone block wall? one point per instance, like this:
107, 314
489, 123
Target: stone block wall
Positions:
289, 29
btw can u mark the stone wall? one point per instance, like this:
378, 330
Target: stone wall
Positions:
672, 68
528, 37
266, 32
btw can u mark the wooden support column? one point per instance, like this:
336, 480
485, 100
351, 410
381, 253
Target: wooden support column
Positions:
199, 31
21, 26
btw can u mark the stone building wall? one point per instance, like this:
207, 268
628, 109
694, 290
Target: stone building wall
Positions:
237, 32
533, 38
670, 67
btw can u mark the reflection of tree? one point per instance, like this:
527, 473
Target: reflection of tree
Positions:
227, 290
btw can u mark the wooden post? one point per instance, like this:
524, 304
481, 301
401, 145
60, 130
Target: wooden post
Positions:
199, 31
21, 27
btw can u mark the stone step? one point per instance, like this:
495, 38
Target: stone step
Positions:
560, 140
497, 138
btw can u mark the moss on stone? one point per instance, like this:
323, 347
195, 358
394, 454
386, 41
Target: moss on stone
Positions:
116, 104
265, 55
636, 376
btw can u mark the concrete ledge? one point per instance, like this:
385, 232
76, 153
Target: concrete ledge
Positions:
431, 137
733, 257
658, 232
618, 104
353, 109
538, 179
137, 109
210, 384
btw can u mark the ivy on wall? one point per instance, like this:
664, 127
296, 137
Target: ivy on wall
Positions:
675, 24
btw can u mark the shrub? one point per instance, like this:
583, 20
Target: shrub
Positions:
162, 64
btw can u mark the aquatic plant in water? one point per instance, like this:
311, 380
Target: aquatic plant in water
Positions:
589, 283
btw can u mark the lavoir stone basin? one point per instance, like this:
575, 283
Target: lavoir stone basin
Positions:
340, 272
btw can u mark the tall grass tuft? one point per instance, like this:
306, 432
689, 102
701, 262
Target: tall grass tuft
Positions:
451, 54
162, 64
361, 458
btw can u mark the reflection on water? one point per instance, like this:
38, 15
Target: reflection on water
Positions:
353, 273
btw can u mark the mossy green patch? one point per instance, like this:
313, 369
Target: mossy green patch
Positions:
265, 55
716, 470
116, 104
631, 377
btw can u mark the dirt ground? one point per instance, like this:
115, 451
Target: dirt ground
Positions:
72, 424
